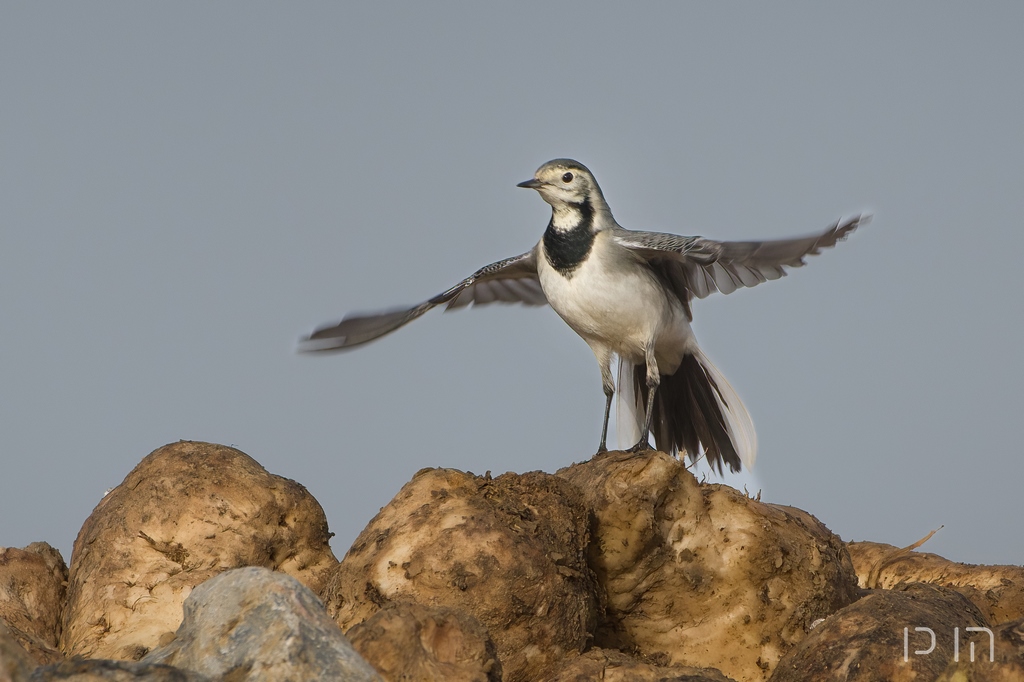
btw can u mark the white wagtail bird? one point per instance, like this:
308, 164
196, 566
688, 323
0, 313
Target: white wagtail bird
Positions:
628, 295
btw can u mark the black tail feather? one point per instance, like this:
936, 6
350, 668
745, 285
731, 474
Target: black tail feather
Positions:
687, 414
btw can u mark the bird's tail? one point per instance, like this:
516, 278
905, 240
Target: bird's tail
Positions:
695, 408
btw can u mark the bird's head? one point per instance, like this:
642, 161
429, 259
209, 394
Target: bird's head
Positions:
564, 183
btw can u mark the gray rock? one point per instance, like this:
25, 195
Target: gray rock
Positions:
252, 624
81, 670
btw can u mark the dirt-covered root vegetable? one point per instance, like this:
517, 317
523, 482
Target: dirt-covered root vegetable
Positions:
406, 641
702, 575
614, 666
998, 659
15, 662
33, 584
510, 551
877, 638
997, 590
186, 513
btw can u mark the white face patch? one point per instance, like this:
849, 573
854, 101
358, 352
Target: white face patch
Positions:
556, 190
566, 185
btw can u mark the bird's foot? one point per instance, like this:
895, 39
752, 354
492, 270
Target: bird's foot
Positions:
641, 446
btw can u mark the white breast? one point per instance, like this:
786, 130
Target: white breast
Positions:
613, 300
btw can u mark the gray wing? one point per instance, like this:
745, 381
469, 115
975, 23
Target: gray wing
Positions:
513, 280
702, 266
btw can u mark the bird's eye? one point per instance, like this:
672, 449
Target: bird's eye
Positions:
567, 178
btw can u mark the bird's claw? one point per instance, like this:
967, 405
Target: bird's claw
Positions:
642, 446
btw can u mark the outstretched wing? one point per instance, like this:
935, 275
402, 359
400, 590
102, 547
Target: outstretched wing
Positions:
702, 266
513, 280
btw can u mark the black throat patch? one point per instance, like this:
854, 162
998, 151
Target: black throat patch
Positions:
567, 249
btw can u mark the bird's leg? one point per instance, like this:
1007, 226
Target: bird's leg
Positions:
653, 380
604, 358
608, 393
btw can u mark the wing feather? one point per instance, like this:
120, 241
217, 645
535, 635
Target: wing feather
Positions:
708, 266
504, 293
483, 293
513, 280
526, 290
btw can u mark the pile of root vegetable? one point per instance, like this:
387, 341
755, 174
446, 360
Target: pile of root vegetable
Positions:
201, 565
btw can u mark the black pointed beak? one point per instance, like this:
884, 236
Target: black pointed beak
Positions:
532, 183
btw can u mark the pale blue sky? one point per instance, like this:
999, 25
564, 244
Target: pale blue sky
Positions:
185, 188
